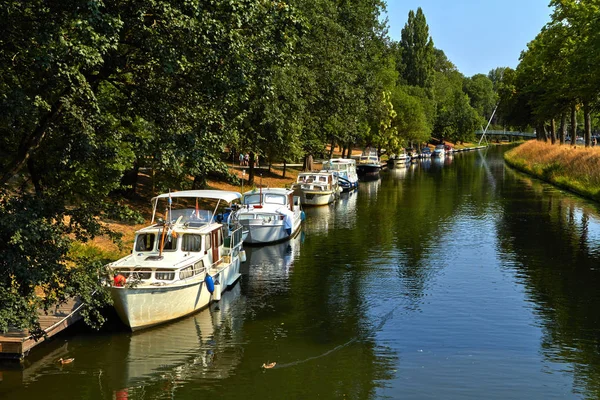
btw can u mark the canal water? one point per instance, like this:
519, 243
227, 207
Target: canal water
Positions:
459, 279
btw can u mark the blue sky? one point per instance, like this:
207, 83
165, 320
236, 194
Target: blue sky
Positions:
476, 35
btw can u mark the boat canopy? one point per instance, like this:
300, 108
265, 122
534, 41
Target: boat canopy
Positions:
219, 195
225, 195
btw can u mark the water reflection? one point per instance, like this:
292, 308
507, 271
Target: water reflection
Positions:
369, 188
398, 172
273, 262
552, 242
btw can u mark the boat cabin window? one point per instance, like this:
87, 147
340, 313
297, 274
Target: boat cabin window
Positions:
269, 198
207, 242
192, 270
191, 243
252, 199
275, 199
142, 273
187, 272
162, 274
192, 216
170, 243
145, 242
199, 267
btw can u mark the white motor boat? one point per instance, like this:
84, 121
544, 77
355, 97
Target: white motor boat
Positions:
317, 188
439, 151
270, 215
368, 163
399, 159
345, 169
181, 264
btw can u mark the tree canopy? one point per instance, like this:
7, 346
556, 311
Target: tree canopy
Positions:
93, 92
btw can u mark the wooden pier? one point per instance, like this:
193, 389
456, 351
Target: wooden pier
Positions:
15, 344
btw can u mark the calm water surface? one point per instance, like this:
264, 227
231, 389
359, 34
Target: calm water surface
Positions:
459, 279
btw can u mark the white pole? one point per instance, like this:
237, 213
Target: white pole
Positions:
488, 125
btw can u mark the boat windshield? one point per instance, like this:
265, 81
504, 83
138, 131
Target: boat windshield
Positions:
335, 166
145, 242
268, 198
192, 215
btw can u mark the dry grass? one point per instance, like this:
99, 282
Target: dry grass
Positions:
573, 168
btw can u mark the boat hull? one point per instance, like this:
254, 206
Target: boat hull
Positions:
145, 306
368, 169
314, 198
265, 233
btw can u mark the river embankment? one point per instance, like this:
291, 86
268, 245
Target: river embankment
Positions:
573, 168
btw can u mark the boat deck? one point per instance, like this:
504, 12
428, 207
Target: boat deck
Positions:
16, 344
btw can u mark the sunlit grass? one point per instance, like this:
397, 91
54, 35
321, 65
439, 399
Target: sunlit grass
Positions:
573, 168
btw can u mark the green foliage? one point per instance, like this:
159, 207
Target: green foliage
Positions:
95, 93
418, 54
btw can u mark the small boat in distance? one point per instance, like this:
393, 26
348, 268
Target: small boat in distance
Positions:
368, 163
317, 188
270, 215
399, 159
439, 151
345, 169
179, 264
425, 152
449, 150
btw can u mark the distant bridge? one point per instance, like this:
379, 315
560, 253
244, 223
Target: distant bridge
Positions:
509, 134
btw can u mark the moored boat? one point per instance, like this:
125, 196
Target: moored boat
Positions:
425, 152
399, 159
345, 170
368, 163
439, 151
317, 188
270, 215
179, 264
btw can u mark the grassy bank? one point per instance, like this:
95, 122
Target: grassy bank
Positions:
576, 169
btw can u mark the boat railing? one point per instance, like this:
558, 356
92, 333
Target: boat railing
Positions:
236, 238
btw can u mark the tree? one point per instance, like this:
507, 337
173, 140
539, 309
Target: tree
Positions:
92, 89
418, 54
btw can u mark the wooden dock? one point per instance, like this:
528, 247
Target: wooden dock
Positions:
15, 344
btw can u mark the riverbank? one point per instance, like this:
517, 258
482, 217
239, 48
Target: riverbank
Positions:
576, 169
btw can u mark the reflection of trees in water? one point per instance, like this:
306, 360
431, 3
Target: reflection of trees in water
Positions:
548, 238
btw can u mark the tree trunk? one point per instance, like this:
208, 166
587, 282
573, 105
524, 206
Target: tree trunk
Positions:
251, 169
31, 142
332, 147
553, 131
573, 124
284, 168
540, 132
130, 178
35, 177
563, 128
587, 120
308, 163
199, 182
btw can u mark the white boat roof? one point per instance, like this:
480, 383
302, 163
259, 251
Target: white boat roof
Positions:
316, 173
270, 190
342, 161
225, 195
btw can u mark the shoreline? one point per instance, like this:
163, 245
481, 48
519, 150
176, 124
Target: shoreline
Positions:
574, 169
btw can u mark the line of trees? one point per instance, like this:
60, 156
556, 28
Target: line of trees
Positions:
93, 91
555, 87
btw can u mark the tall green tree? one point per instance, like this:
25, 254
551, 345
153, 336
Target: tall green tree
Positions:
418, 53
